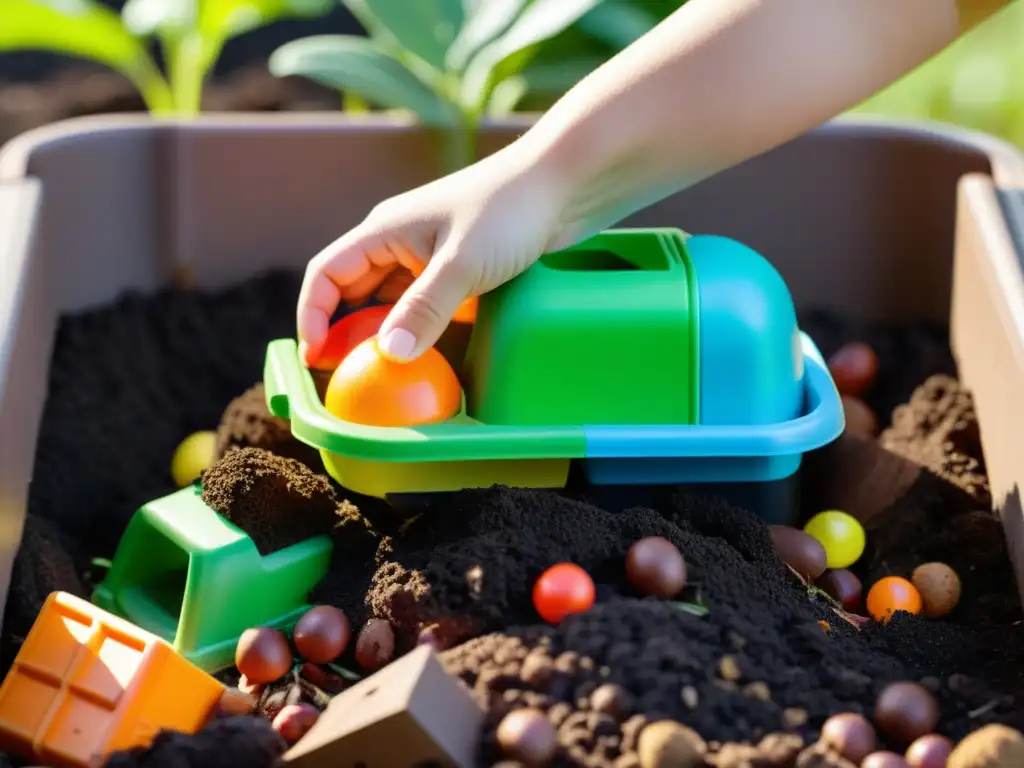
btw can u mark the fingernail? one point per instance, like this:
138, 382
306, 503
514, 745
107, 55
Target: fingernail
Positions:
397, 344
304, 352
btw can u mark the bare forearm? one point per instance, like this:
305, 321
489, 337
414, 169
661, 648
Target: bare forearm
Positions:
721, 81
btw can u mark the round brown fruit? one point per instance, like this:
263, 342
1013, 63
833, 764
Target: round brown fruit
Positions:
860, 419
800, 551
375, 646
994, 746
931, 751
263, 655
939, 587
612, 700
844, 587
322, 634
526, 735
853, 367
851, 735
884, 760
655, 567
906, 711
294, 721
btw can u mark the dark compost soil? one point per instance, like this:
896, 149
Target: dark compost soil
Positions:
130, 381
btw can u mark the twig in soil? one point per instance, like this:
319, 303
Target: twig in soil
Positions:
408, 523
851, 618
345, 674
694, 608
987, 707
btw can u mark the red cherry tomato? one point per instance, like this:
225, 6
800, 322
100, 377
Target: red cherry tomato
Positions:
348, 333
561, 590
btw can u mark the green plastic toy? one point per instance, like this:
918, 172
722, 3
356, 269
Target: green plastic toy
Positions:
618, 310
186, 574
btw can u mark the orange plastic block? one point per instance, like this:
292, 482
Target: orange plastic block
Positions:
87, 683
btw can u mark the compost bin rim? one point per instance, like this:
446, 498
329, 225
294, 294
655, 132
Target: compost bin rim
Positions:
1007, 166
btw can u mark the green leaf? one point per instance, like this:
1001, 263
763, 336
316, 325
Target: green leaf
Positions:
483, 24
618, 23
540, 21
357, 64
81, 28
506, 96
423, 28
693, 608
223, 19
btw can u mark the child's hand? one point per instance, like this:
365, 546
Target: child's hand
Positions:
464, 234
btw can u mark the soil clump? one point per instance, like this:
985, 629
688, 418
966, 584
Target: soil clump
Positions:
277, 501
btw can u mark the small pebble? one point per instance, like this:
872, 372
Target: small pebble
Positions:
860, 419
612, 700
729, 669
994, 746
655, 567
667, 744
800, 551
884, 760
322, 634
431, 636
527, 736
851, 735
844, 587
780, 748
234, 702
794, 717
931, 751
245, 685
906, 711
375, 646
939, 587
263, 655
854, 368
294, 721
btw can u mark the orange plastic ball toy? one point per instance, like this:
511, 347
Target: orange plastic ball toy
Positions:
562, 590
347, 334
892, 594
369, 389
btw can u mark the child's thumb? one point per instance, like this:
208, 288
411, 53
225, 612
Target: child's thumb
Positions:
423, 312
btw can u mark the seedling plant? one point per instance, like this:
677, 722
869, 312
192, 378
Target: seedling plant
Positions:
454, 62
191, 34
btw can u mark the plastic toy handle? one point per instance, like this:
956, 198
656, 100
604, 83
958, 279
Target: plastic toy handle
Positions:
282, 379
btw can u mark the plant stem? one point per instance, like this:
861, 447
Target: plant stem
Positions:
186, 70
152, 86
459, 143
354, 104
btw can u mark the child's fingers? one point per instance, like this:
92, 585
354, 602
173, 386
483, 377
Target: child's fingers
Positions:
425, 309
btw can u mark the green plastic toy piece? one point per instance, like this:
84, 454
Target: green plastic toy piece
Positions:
186, 574
605, 332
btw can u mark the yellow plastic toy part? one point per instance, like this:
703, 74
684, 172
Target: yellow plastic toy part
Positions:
86, 683
380, 478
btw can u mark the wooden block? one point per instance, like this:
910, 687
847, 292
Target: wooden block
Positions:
410, 713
